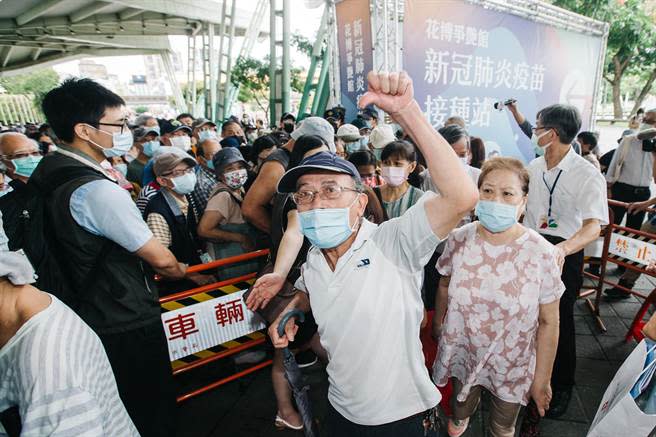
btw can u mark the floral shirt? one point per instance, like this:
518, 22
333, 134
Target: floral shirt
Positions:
489, 335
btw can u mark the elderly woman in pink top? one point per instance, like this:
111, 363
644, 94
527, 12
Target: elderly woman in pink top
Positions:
496, 318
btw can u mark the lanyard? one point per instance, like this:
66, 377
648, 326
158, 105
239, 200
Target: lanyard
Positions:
551, 190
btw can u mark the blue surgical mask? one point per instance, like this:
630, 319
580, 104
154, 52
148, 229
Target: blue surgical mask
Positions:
210, 164
150, 147
25, 166
184, 184
122, 168
206, 135
364, 141
326, 228
496, 216
353, 147
539, 150
155, 129
121, 143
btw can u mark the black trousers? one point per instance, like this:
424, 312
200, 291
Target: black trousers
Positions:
565, 363
339, 426
628, 193
140, 361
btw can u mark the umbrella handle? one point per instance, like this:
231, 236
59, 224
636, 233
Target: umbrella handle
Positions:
300, 315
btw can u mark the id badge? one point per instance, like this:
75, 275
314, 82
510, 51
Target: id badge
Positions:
548, 222
205, 258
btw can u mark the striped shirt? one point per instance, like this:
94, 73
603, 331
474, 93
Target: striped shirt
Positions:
55, 370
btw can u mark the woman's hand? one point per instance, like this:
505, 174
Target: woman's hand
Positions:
541, 394
266, 288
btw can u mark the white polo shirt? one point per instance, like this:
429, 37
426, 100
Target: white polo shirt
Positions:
369, 312
579, 194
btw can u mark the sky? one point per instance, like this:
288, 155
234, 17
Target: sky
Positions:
304, 20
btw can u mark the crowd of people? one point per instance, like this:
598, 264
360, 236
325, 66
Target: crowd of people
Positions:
377, 231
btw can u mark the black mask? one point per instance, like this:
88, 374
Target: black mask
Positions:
288, 127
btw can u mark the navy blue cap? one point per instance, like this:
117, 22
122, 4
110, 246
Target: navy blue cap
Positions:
170, 126
323, 161
232, 141
225, 157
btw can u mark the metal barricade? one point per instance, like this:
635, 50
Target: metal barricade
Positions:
630, 248
186, 319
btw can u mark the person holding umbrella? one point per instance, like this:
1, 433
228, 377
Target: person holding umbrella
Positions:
363, 281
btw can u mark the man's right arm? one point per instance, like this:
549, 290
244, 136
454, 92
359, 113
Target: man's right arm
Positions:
394, 94
255, 206
522, 122
161, 259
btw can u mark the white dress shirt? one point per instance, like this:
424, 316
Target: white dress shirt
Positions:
579, 194
369, 311
637, 168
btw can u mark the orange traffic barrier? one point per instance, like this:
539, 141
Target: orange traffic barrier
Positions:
233, 349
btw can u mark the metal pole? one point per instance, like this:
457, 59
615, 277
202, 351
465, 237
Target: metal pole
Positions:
397, 37
3, 116
286, 80
205, 58
316, 53
192, 106
228, 86
385, 41
210, 35
219, 69
175, 86
318, 96
273, 64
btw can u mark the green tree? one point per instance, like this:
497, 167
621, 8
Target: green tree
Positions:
37, 83
630, 39
251, 76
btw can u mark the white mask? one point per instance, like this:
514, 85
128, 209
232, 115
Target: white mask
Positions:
181, 142
394, 176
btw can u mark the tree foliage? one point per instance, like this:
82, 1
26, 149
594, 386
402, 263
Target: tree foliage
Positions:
631, 39
252, 76
37, 83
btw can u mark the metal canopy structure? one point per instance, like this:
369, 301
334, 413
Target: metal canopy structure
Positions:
38, 31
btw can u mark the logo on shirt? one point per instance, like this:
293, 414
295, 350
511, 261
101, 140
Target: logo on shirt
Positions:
363, 263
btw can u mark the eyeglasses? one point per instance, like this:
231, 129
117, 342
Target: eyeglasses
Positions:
22, 154
537, 128
176, 173
122, 126
327, 192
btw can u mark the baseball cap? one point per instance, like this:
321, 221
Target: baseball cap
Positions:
316, 126
225, 157
166, 162
200, 122
287, 116
360, 123
231, 141
348, 132
142, 131
381, 136
323, 161
170, 126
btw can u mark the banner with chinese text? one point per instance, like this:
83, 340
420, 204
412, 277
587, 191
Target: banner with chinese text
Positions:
207, 324
355, 52
464, 57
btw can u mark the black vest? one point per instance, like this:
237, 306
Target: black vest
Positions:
119, 295
183, 229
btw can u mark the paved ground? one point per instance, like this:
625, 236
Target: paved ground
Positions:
247, 408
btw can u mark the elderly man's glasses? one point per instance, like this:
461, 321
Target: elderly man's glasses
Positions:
22, 154
176, 173
327, 192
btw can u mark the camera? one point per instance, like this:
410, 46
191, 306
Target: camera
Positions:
499, 105
649, 145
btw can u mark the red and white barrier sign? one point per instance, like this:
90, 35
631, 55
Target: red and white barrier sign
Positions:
633, 249
206, 324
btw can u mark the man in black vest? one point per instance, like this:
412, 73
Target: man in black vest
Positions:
105, 248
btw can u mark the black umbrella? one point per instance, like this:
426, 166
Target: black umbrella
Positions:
297, 382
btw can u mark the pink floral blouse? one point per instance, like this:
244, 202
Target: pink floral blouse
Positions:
489, 336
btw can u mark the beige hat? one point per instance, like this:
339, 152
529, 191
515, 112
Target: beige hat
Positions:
348, 133
165, 163
381, 136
